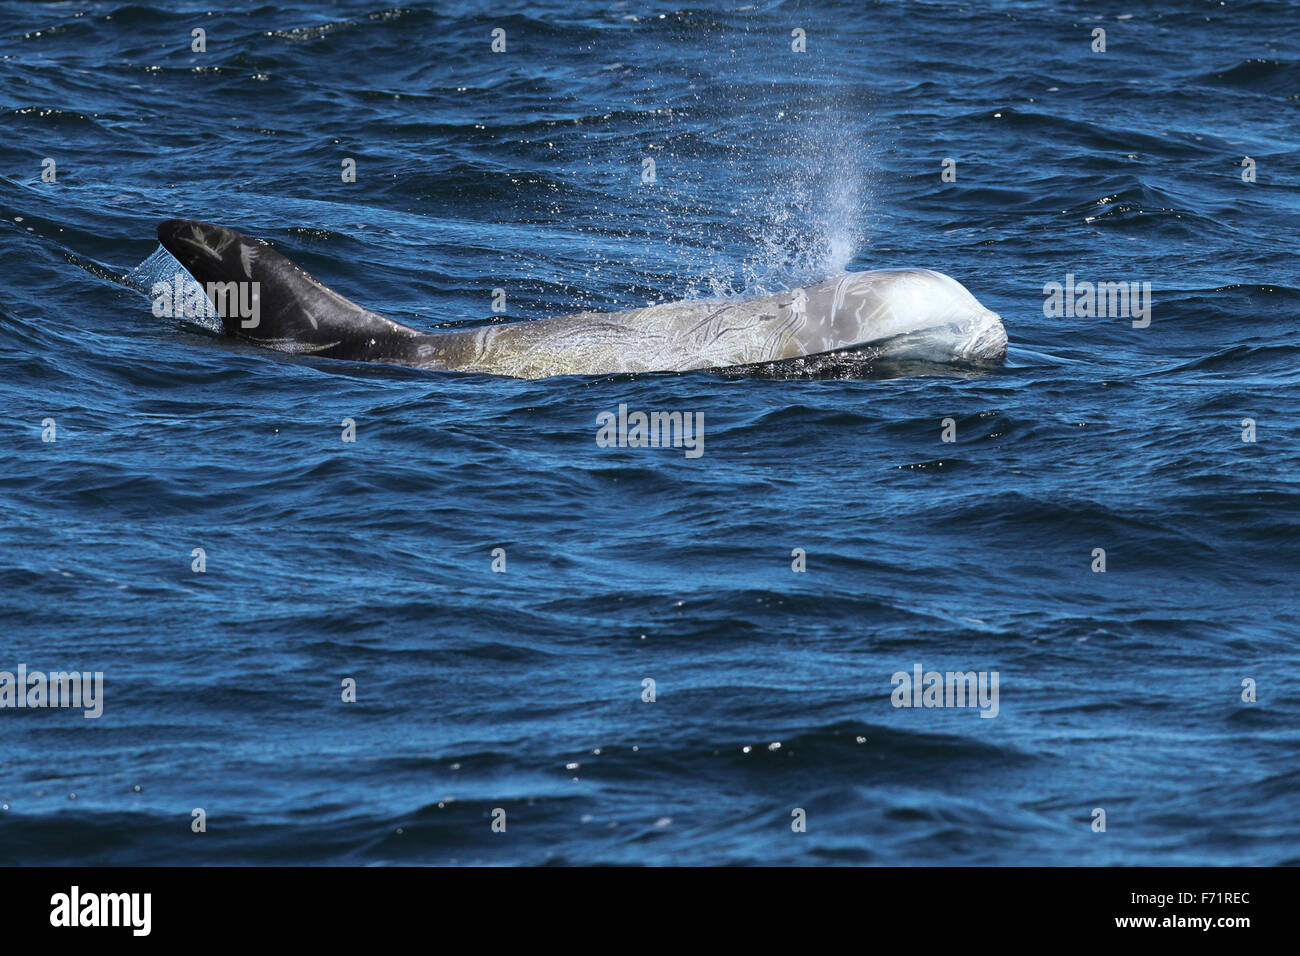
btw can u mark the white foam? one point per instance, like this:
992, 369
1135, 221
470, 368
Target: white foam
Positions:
192, 306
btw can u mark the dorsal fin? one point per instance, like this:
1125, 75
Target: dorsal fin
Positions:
266, 299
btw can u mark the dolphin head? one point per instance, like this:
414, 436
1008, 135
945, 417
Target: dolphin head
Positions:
985, 339
918, 313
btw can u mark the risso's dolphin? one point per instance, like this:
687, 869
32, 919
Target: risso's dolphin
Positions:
894, 314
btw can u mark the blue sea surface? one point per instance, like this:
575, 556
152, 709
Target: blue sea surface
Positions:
1162, 690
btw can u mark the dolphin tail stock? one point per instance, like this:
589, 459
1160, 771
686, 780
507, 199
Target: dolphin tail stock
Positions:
265, 299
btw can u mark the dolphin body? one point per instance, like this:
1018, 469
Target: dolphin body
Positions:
895, 314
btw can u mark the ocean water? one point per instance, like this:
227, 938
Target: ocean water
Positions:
517, 696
